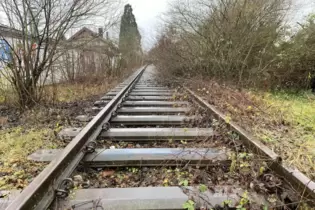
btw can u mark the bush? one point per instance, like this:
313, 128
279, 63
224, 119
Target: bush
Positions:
238, 41
296, 57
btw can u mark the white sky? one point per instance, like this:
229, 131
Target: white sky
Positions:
302, 8
148, 14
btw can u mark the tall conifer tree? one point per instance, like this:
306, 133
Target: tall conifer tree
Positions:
129, 37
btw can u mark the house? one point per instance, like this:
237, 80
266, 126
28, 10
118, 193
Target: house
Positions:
7, 37
84, 53
92, 53
11, 48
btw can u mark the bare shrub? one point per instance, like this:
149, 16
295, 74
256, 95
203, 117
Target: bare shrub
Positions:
230, 40
296, 58
37, 35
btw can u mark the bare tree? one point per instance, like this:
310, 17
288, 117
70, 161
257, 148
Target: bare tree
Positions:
230, 40
39, 28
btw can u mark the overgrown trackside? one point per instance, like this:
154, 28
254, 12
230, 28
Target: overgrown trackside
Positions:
15, 144
23, 133
249, 61
284, 122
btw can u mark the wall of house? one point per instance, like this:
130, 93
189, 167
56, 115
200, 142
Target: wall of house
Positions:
5, 58
74, 63
82, 63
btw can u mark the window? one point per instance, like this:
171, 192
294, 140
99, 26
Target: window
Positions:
5, 51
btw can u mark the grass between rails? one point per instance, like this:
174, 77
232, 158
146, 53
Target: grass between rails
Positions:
285, 122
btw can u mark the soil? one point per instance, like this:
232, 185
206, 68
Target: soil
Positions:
64, 113
246, 171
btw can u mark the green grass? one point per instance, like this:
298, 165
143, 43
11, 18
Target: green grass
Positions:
295, 139
15, 145
298, 108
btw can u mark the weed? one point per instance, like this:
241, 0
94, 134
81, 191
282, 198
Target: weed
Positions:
189, 205
133, 170
203, 188
227, 202
261, 170
233, 162
183, 142
184, 182
243, 202
228, 119
165, 182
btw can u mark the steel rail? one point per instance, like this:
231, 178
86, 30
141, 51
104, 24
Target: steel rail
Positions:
301, 183
42, 190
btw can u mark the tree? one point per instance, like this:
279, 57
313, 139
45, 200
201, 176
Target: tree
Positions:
37, 30
228, 40
129, 37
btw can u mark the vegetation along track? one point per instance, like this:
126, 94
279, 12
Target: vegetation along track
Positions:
156, 147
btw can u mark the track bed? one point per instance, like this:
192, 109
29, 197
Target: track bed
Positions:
148, 146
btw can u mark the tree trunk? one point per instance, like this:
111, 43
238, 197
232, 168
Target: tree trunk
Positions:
27, 94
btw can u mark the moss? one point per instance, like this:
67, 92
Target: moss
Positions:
15, 145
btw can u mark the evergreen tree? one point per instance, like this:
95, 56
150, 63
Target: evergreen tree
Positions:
129, 37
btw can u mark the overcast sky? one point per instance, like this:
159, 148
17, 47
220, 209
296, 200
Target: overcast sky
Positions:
148, 14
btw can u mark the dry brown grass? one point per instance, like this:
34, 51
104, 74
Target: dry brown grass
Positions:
284, 122
78, 91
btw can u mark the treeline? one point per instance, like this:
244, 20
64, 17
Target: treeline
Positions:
245, 42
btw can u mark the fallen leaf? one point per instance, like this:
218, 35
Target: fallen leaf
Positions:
107, 173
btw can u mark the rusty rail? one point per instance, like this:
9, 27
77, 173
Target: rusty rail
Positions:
301, 183
53, 179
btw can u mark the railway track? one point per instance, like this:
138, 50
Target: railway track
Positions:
147, 146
